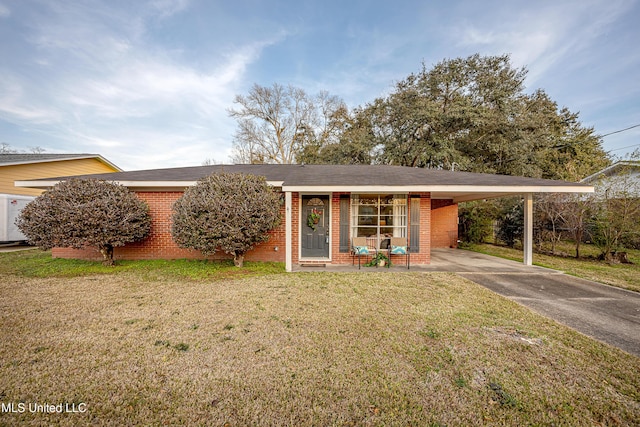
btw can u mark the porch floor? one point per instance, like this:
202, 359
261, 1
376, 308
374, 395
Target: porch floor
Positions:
443, 260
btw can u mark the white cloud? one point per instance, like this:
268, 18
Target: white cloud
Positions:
15, 105
102, 87
168, 8
4, 11
542, 40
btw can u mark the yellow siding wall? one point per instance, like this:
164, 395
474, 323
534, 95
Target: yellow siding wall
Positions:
9, 174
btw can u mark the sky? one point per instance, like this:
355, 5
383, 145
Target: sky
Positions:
148, 84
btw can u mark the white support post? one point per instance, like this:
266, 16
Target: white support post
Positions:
288, 234
527, 242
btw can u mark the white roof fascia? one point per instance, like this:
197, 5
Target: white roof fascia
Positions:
35, 184
466, 189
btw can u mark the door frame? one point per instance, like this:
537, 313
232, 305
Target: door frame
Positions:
301, 224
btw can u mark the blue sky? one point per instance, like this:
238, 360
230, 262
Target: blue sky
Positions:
147, 84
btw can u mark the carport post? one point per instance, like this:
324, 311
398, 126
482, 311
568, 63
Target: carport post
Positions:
527, 242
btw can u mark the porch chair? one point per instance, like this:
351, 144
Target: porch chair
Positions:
360, 248
399, 246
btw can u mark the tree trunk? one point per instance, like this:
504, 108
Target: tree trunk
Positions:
107, 253
238, 259
623, 257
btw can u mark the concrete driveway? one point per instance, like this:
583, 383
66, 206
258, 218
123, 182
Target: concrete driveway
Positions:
606, 313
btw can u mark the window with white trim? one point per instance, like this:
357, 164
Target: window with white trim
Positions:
378, 217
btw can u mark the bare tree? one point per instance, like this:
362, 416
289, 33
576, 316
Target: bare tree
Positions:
576, 209
549, 218
6, 149
275, 123
210, 161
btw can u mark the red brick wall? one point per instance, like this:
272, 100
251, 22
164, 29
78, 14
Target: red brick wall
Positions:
444, 217
160, 245
337, 256
424, 254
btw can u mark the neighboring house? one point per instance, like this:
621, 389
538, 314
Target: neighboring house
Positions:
617, 188
622, 176
372, 201
16, 167
21, 166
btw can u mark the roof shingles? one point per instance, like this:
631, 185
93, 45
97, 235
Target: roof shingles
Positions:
333, 175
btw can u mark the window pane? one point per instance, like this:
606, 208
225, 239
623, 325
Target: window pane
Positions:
379, 217
368, 199
366, 231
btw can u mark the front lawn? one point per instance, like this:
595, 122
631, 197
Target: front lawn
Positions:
136, 348
37, 263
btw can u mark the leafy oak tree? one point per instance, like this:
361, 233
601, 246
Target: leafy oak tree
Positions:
227, 211
81, 213
470, 114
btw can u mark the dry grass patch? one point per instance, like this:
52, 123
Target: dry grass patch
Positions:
300, 349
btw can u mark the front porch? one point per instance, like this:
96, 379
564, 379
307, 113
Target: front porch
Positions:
442, 260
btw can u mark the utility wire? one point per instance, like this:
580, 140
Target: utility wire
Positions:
621, 130
622, 148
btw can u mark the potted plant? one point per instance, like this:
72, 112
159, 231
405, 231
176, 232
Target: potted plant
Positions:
379, 260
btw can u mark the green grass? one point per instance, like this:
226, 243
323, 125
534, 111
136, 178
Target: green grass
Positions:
299, 349
36, 263
625, 276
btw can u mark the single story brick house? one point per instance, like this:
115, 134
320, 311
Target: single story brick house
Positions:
372, 201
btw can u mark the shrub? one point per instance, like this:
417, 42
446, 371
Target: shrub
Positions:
511, 221
80, 213
227, 211
476, 221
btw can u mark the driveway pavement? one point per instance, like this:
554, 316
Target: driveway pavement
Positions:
606, 313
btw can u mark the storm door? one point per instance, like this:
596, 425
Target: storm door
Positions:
314, 227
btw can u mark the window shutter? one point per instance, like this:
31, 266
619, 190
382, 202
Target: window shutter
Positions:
344, 223
414, 224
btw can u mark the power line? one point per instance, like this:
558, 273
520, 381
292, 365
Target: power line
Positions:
621, 130
622, 148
